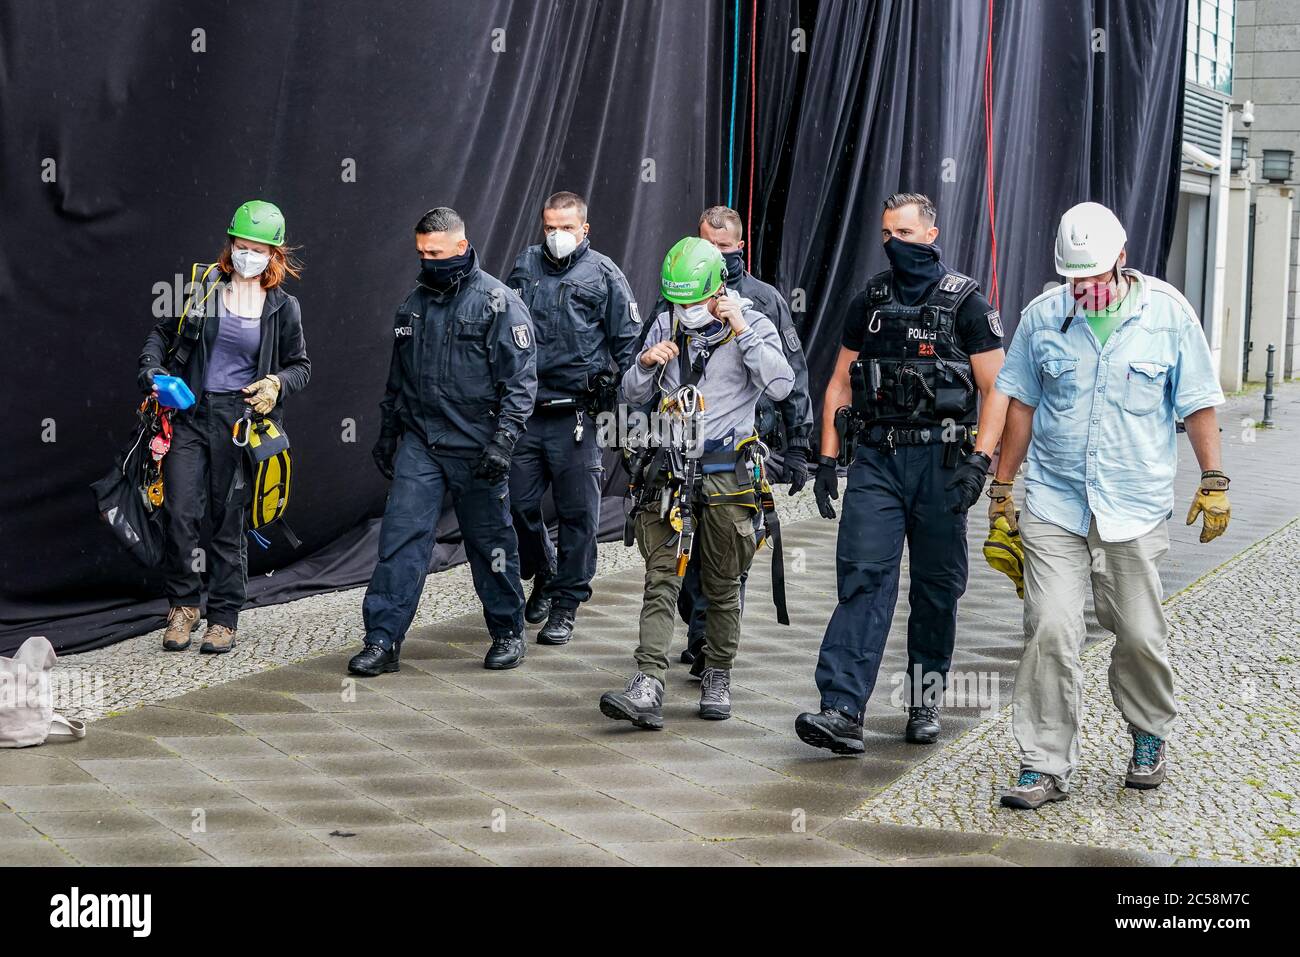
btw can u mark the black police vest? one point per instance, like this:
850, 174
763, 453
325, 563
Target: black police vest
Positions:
912, 369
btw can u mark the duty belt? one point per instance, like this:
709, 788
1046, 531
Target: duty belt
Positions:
566, 403
889, 436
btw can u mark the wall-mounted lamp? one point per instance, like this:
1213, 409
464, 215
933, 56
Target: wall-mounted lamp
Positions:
1239, 148
1276, 167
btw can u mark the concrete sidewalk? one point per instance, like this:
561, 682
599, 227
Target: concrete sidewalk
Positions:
446, 763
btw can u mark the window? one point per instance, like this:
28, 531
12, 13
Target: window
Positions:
1209, 43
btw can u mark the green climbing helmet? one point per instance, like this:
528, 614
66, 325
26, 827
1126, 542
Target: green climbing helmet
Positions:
259, 221
693, 270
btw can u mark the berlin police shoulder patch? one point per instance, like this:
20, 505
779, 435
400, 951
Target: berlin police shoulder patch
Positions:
995, 322
951, 283
791, 339
523, 338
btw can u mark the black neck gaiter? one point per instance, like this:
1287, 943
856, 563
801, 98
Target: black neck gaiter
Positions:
442, 275
735, 262
916, 267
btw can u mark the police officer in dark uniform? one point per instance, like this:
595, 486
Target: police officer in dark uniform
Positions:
587, 327
460, 388
785, 426
920, 346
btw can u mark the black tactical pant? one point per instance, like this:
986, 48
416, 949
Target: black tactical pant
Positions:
548, 455
199, 474
892, 497
422, 482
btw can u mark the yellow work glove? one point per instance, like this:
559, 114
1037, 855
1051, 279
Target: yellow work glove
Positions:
1005, 554
1002, 504
1211, 501
263, 394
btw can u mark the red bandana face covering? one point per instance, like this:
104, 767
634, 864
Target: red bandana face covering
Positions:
1094, 296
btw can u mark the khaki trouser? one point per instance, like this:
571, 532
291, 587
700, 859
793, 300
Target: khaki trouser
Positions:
1126, 595
725, 542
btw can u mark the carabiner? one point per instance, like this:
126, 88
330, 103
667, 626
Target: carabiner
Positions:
247, 420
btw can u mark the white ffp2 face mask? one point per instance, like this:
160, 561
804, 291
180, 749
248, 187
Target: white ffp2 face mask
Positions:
561, 243
693, 317
249, 262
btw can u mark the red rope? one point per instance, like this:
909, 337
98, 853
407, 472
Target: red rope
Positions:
988, 152
753, 96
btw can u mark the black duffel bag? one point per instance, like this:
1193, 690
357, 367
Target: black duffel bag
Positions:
123, 502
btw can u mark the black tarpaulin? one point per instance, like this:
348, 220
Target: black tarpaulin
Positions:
1084, 105
124, 149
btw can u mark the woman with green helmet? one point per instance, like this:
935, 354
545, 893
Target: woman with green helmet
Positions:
238, 345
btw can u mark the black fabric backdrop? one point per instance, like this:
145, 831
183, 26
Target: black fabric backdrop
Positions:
892, 99
154, 144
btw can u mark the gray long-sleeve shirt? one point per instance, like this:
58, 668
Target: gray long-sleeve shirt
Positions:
737, 373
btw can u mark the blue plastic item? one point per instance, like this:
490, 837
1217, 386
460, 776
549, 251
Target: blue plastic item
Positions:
173, 392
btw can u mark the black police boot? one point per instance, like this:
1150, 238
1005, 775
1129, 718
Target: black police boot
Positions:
506, 652
698, 666
373, 660
833, 730
694, 651
558, 628
538, 606
922, 725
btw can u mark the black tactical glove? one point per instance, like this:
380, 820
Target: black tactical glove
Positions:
145, 377
494, 463
796, 468
384, 451
967, 482
826, 485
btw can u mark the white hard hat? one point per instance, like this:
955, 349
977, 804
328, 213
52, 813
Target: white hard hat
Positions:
1088, 241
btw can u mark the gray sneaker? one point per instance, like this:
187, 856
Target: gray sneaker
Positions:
715, 694
1146, 770
641, 702
1032, 791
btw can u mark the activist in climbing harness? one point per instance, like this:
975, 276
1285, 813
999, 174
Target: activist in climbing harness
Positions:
707, 358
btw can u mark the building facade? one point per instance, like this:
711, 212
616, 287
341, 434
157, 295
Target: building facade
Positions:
1266, 90
1234, 252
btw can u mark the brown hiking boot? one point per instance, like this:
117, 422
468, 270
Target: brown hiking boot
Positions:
217, 640
181, 623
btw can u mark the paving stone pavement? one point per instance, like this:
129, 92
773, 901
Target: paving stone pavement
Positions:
1234, 788
445, 763
131, 673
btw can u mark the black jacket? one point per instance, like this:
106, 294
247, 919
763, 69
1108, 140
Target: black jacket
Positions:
584, 315
463, 365
283, 350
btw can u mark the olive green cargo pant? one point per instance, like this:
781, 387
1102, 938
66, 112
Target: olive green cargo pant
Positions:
725, 541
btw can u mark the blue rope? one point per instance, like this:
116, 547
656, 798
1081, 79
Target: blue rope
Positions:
731, 136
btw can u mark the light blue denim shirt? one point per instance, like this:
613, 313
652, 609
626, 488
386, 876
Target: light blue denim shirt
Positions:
1103, 443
